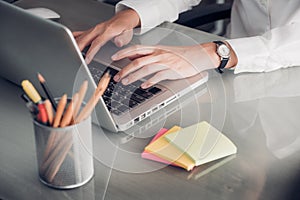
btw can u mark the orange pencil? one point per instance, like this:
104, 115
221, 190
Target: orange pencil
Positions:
52, 138
59, 154
52, 155
49, 110
56, 163
81, 95
87, 110
60, 109
67, 118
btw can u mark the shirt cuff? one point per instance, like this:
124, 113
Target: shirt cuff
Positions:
251, 53
256, 55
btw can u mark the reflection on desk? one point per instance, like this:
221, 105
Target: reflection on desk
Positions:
271, 98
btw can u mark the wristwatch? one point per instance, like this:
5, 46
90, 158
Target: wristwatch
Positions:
224, 52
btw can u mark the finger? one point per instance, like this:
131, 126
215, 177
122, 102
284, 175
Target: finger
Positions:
96, 44
99, 41
135, 57
143, 72
159, 76
135, 65
123, 39
86, 38
77, 33
135, 50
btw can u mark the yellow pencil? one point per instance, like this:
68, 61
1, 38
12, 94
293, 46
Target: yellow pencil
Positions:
33, 94
31, 91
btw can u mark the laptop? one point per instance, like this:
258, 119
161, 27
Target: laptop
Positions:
30, 44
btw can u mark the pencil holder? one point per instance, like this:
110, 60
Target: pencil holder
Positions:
64, 155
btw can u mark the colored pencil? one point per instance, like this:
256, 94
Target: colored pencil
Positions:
53, 135
68, 115
49, 110
60, 109
87, 110
66, 142
47, 90
81, 93
33, 94
32, 107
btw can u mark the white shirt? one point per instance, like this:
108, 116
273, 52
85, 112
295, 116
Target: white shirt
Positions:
265, 34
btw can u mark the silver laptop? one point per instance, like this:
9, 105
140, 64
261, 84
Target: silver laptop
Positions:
29, 44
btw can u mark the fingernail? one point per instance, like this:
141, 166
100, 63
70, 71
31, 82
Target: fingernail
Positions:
125, 81
119, 43
144, 85
87, 60
113, 57
117, 78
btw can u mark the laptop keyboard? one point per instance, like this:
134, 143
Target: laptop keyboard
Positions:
121, 98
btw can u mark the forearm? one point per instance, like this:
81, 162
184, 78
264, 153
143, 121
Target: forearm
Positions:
131, 16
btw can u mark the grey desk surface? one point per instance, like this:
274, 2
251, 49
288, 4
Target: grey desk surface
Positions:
258, 112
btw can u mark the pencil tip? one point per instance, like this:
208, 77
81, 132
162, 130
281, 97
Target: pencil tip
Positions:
107, 73
47, 101
41, 78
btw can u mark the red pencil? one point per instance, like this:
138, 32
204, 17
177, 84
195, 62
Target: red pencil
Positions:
42, 116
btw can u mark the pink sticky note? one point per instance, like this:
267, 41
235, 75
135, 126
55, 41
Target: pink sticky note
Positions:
150, 156
159, 134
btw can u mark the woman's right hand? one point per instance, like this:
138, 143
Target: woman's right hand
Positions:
119, 29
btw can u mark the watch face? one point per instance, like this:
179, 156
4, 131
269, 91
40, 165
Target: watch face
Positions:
223, 51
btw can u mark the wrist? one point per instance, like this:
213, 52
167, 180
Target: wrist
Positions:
131, 16
135, 22
211, 49
233, 60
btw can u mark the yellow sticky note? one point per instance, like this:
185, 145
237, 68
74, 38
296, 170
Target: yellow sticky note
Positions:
202, 143
163, 149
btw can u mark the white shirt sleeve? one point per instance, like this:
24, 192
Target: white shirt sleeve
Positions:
277, 48
155, 12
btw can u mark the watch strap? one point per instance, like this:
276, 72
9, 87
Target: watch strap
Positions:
224, 61
218, 42
222, 65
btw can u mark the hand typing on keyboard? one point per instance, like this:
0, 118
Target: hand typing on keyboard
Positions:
121, 98
165, 62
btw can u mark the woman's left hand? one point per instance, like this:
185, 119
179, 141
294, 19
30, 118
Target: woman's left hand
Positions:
165, 62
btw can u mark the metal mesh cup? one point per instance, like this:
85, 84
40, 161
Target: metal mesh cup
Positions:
64, 155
